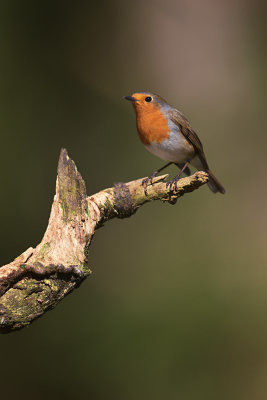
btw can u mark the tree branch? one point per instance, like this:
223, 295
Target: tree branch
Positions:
40, 277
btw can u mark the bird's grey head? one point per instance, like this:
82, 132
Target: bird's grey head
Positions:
145, 99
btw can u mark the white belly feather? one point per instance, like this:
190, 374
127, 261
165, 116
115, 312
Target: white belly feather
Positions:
176, 148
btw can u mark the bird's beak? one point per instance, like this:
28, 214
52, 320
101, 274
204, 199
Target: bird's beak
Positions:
130, 98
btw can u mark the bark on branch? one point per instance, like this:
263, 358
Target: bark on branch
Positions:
40, 277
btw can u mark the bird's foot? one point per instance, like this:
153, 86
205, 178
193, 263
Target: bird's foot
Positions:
172, 185
148, 180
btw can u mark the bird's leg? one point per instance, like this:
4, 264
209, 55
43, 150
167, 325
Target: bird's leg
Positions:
146, 181
186, 170
173, 183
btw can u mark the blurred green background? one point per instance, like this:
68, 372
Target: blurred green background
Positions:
176, 307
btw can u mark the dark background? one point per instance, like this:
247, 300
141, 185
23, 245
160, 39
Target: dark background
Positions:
176, 307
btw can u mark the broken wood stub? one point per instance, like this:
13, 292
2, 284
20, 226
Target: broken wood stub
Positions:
38, 281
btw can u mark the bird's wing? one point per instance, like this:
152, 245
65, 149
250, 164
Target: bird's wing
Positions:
179, 119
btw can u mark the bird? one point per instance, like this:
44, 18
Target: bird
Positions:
166, 133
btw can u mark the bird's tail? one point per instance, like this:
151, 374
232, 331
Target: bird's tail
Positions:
213, 183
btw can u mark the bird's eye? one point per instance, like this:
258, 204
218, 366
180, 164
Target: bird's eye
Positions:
148, 99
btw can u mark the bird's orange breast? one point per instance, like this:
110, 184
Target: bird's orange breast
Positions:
152, 126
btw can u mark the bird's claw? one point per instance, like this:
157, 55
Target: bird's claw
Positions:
145, 183
148, 180
172, 185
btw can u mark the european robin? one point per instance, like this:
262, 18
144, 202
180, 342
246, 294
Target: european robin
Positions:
166, 132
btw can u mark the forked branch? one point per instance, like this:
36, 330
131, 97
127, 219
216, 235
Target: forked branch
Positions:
40, 277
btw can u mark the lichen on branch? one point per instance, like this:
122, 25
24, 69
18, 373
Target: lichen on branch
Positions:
40, 277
